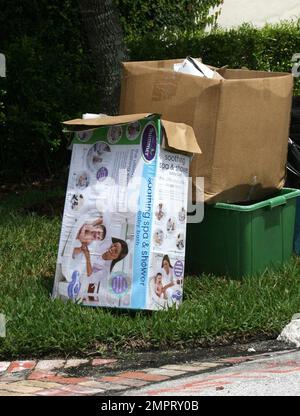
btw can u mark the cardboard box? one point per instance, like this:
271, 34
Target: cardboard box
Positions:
122, 241
241, 123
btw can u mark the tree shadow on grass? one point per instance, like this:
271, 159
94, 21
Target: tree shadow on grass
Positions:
50, 207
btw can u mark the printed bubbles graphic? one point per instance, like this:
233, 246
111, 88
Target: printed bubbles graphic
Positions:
119, 283
177, 295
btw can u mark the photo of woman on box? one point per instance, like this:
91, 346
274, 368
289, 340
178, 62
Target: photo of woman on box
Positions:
92, 234
99, 259
165, 289
167, 275
94, 253
105, 262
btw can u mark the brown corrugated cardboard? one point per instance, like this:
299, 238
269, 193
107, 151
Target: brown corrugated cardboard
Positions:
241, 123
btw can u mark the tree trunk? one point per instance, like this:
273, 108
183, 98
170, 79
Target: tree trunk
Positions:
104, 33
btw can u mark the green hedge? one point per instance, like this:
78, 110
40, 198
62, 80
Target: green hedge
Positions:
270, 48
162, 17
50, 76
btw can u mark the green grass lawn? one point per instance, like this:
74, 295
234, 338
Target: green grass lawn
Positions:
215, 310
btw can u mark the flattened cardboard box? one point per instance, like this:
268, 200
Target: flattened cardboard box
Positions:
123, 234
241, 123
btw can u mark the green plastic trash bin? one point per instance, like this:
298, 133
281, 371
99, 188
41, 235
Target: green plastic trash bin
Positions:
241, 240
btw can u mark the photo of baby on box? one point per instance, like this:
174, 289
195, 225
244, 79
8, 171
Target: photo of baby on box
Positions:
119, 238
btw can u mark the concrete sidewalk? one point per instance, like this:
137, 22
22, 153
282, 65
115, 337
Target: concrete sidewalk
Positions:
97, 376
275, 375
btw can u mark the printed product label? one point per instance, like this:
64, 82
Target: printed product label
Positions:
122, 240
149, 142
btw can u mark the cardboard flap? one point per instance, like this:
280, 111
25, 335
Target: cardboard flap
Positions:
105, 121
179, 136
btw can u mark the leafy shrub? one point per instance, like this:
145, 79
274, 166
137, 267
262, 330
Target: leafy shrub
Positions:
268, 48
165, 17
50, 76
49, 79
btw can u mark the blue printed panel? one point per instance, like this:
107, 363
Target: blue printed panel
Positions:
143, 227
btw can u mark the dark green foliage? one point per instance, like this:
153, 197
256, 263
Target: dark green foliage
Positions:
269, 48
49, 79
165, 17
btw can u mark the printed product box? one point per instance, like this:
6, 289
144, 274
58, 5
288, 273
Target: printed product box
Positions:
123, 234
